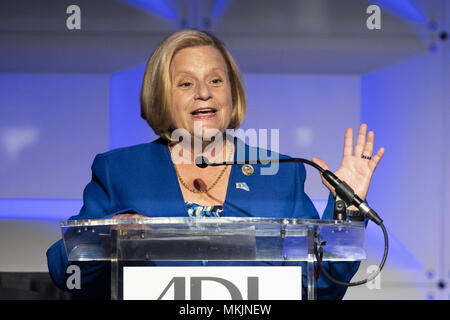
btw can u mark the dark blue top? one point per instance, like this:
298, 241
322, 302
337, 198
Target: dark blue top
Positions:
142, 179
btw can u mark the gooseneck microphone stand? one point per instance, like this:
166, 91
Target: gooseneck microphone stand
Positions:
345, 197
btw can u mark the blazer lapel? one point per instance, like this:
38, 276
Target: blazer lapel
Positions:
238, 199
176, 206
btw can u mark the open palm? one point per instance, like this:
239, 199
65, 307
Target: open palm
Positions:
356, 170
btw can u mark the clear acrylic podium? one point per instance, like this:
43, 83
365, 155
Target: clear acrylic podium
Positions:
212, 239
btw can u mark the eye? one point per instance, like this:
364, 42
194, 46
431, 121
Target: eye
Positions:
185, 84
216, 81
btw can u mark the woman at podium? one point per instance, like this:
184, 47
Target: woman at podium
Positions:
192, 93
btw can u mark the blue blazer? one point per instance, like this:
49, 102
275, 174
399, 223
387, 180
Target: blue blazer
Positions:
142, 179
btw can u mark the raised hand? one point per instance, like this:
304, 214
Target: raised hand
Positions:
358, 164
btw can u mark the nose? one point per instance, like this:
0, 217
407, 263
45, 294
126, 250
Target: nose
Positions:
202, 92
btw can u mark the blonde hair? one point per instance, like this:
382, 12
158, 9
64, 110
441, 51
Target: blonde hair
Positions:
156, 85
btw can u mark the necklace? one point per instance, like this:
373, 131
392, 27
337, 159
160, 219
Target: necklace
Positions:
184, 184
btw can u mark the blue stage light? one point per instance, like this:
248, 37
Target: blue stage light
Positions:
39, 209
401, 8
219, 8
159, 8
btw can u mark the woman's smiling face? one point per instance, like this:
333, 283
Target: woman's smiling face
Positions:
201, 90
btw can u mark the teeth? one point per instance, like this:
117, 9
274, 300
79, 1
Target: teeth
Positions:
204, 111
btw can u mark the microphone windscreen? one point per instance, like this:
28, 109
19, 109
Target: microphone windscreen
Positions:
201, 162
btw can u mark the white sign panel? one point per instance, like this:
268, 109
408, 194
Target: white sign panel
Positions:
212, 283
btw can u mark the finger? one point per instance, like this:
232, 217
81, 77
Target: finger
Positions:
373, 163
368, 148
320, 162
348, 142
361, 140
127, 216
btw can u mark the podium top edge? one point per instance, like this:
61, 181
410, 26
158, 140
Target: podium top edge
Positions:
209, 220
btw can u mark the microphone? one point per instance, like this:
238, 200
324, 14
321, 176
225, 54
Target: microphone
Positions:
343, 190
202, 162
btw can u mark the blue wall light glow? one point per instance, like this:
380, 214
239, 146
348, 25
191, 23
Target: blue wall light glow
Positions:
126, 127
219, 8
400, 257
39, 209
404, 105
159, 8
401, 8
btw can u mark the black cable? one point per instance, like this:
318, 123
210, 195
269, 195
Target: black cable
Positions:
203, 162
319, 256
343, 189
